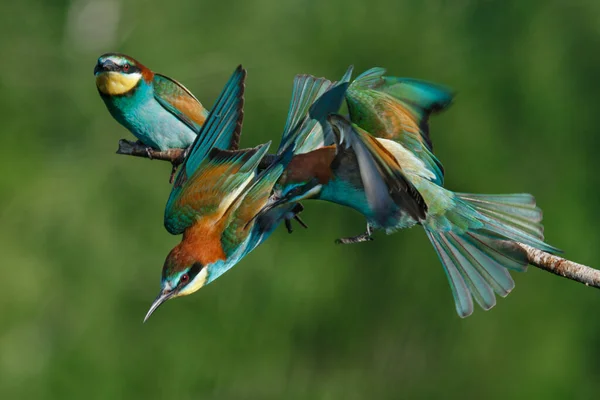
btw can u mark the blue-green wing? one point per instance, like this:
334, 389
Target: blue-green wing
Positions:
221, 128
222, 124
179, 101
213, 187
399, 109
382, 175
310, 129
426, 98
248, 206
306, 90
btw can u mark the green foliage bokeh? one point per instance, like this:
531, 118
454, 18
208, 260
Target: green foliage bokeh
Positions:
81, 233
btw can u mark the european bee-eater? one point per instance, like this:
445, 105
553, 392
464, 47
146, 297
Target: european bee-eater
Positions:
394, 179
219, 193
158, 110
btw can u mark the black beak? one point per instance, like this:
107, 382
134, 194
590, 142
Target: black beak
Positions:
160, 299
104, 66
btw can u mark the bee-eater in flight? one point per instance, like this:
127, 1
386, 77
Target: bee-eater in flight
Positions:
218, 193
383, 166
158, 110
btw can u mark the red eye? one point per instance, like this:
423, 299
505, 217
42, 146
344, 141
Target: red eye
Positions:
126, 67
184, 278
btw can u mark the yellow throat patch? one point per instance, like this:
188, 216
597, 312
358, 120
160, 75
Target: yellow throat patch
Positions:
115, 83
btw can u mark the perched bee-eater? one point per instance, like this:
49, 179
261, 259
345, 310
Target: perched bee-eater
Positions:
395, 181
158, 110
218, 193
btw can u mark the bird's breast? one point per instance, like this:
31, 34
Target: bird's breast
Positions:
150, 122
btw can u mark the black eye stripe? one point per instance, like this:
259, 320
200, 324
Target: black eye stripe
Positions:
196, 268
191, 274
132, 69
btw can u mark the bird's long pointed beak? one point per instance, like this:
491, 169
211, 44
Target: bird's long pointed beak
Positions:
160, 299
271, 206
105, 66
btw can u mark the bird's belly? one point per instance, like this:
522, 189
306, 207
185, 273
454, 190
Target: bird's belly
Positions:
152, 124
220, 267
343, 193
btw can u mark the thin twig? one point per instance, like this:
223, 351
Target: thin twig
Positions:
538, 258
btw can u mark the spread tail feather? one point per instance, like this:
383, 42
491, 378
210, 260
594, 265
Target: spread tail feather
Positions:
475, 243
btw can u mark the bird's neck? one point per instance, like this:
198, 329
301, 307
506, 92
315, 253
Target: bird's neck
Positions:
312, 165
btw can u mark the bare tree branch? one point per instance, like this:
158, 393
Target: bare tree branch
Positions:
562, 267
137, 149
538, 258
175, 156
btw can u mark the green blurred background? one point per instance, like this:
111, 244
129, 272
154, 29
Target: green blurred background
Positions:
81, 232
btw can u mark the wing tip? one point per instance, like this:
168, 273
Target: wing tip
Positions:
237, 132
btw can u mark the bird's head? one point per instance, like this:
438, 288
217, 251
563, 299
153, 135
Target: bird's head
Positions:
290, 193
181, 275
296, 192
117, 74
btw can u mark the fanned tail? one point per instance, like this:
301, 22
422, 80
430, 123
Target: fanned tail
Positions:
475, 241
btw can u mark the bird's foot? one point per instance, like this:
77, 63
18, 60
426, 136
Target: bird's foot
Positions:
298, 208
185, 153
173, 171
178, 161
363, 237
149, 153
302, 223
148, 149
288, 223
